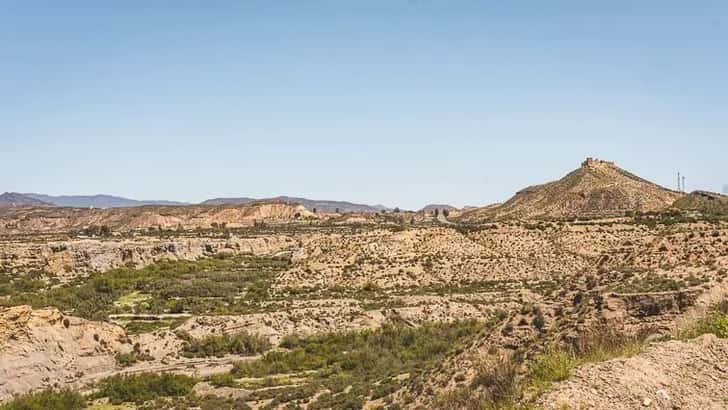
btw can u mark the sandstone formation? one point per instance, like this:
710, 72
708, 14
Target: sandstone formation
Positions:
43, 349
41, 220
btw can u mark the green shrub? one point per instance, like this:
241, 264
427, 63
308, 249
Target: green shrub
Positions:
222, 380
349, 363
599, 344
196, 402
498, 379
201, 286
552, 366
241, 344
140, 388
131, 358
715, 323
48, 399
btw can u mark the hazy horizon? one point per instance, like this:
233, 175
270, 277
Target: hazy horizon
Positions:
395, 103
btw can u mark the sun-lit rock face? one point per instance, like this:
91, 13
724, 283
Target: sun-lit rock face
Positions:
43, 348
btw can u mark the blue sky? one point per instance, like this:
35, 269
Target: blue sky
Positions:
395, 102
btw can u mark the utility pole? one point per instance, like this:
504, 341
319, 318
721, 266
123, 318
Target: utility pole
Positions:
678, 181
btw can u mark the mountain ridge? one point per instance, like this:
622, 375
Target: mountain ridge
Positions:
98, 201
16, 199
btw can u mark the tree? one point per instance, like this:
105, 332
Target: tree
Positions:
437, 212
396, 210
314, 210
446, 213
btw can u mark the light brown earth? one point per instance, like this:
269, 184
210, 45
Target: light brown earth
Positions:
43, 349
667, 375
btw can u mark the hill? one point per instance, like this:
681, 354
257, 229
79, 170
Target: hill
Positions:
431, 208
14, 199
62, 219
310, 204
705, 202
97, 201
228, 201
597, 188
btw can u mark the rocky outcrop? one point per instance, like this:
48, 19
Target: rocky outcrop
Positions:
71, 258
43, 349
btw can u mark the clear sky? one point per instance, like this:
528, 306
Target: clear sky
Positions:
394, 102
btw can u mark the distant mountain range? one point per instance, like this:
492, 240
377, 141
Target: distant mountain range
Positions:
310, 204
15, 199
110, 201
97, 201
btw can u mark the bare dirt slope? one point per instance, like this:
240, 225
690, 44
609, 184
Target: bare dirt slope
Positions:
43, 348
668, 375
597, 188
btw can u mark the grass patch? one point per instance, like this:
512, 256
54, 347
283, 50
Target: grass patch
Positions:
132, 299
715, 322
48, 399
597, 345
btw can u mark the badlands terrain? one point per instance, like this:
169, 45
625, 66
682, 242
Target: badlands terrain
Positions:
597, 291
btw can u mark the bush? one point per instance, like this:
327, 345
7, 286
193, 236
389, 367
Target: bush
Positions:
596, 345
196, 402
140, 388
222, 380
348, 364
552, 366
240, 344
128, 359
48, 399
498, 379
715, 323
201, 286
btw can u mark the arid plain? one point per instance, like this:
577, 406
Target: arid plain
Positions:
600, 290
